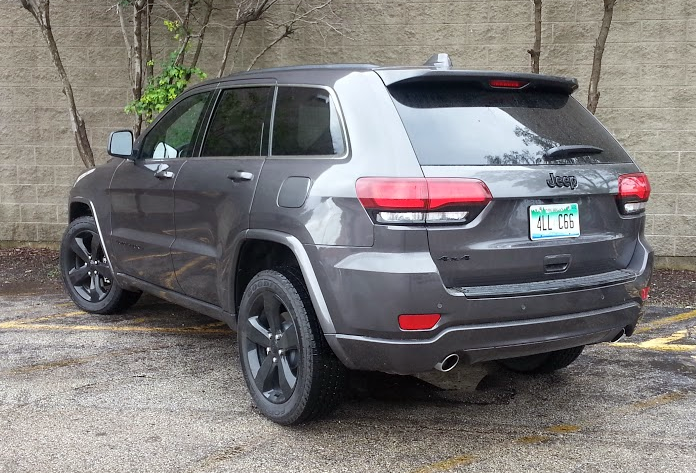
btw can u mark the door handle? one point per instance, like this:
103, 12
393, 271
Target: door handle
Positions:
162, 173
240, 176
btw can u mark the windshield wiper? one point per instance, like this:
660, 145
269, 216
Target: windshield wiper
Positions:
565, 151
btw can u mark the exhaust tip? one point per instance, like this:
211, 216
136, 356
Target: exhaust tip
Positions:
618, 336
448, 363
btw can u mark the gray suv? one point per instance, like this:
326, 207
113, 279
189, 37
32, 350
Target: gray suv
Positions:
359, 217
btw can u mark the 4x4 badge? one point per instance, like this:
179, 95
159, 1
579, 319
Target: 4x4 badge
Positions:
561, 181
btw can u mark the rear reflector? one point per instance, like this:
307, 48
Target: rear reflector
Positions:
644, 293
506, 83
418, 321
422, 200
634, 192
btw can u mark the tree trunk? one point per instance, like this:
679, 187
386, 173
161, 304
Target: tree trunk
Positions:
593, 90
40, 10
137, 62
226, 53
149, 66
201, 36
535, 52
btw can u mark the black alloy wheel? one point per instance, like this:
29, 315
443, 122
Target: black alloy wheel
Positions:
290, 371
87, 268
272, 348
86, 271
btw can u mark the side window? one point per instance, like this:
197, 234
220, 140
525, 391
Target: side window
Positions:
306, 123
239, 126
174, 135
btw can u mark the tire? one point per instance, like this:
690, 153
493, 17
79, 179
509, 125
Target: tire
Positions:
290, 371
543, 362
87, 276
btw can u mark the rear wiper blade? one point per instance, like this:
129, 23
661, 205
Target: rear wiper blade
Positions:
569, 150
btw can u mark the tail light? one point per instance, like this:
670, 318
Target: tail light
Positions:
507, 84
634, 192
411, 201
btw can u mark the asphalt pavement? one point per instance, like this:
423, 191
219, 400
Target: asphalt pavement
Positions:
158, 389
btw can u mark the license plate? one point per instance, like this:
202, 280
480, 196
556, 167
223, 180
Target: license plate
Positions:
554, 221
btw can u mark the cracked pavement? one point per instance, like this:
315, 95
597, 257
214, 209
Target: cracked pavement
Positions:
159, 389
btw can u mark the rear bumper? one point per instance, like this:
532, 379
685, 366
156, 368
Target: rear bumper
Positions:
366, 290
484, 342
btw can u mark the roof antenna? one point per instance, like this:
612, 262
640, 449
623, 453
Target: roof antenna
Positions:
439, 61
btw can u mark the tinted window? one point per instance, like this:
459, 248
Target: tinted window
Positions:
457, 124
173, 136
306, 123
239, 123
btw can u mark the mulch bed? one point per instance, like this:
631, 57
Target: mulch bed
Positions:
31, 270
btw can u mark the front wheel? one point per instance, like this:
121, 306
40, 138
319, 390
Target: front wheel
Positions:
290, 371
86, 271
543, 362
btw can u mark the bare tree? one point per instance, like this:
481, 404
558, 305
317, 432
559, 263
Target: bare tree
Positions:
134, 47
316, 14
248, 11
535, 52
593, 90
40, 9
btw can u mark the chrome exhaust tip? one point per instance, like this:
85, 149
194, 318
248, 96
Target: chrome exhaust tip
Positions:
619, 335
448, 363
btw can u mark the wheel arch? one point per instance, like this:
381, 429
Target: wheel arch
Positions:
283, 249
79, 209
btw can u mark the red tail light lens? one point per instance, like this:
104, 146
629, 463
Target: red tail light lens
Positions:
634, 192
392, 194
507, 83
422, 200
418, 321
453, 192
634, 186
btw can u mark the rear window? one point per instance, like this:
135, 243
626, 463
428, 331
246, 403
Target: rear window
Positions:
306, 123
454, 124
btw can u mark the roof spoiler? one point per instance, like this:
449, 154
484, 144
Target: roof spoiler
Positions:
487, 79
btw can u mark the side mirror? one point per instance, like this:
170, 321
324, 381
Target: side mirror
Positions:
121, 144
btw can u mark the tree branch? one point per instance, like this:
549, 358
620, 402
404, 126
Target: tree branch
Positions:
535, 52
40, 9
201, 36
593, 89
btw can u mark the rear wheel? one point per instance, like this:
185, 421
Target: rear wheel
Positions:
292, 374
543, 362
86, 271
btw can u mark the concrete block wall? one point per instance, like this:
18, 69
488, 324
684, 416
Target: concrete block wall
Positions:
648, 85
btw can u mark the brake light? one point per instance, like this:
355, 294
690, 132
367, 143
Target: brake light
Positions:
507, 83
418, 321
422, 200
634, 192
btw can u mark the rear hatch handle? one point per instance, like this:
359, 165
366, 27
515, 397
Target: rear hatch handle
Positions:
564, 151
556, 263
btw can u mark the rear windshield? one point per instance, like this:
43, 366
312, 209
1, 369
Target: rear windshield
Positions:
463, 125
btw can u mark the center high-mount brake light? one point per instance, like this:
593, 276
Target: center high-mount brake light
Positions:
414, 201
634, 192
507, 83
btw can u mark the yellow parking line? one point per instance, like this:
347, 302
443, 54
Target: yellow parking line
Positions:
662, 343
448, 464
657, 342
200, 329
659, 400
14, 323
666, 321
